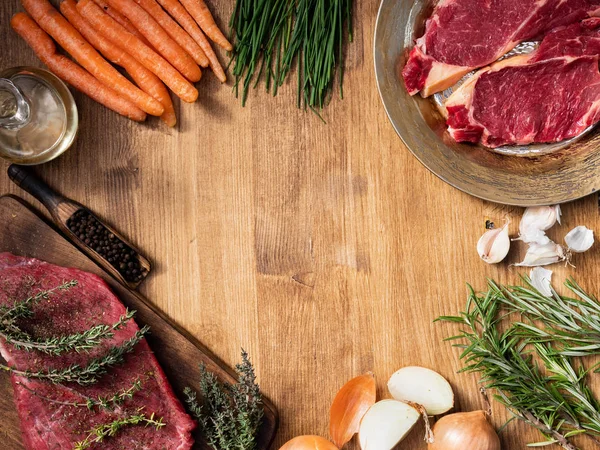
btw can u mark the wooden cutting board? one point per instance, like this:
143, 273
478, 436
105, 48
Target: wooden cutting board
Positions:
24, 233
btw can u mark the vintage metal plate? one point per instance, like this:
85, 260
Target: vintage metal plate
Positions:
563, 175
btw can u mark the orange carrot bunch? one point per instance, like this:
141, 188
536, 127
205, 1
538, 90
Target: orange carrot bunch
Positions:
155, 46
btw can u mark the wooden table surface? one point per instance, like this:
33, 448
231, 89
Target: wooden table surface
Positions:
325, 250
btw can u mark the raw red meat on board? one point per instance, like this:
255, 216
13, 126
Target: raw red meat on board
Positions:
463, 35
551, 95
48, 425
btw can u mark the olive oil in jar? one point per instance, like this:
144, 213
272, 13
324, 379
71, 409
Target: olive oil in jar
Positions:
38, 116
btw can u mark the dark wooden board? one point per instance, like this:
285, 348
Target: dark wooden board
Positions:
24, 233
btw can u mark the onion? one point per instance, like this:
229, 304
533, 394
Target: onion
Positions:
385, 424
462, 431
308, 443
424, 387
349, 406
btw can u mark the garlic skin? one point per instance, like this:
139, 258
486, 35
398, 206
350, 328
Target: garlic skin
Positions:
349, 406
385, 424
541, 280
535, 221
494, 245
542, 255
464, 431
580, 239
424, 387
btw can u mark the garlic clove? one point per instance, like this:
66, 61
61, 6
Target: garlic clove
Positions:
539, 218
541, 280
349, 406
424, 387
579, 239
542, 255
385, 424
308, 443
462, 431
494, 245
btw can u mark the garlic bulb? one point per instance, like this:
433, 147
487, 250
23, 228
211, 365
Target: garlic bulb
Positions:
494, 245
540, 279
541, 255
535, 221
424, 387
385, 424
464, 431
579, 239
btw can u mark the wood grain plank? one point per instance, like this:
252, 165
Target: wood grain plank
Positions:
325, 250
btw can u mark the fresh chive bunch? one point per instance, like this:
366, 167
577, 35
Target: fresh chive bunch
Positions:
270, 36
527, 347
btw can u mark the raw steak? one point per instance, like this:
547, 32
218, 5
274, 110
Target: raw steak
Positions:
47, 425
548, 96
463, 35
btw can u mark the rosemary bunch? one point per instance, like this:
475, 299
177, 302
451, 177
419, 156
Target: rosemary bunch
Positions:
231, 415
529, 362
270, 36
101, 432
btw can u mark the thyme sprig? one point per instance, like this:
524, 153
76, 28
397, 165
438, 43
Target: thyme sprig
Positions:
22, 308
89, 374
230, 415
101, 432
113, 401
58, 345
529, 362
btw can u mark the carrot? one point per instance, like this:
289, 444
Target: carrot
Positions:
145, 79
53, 23
202, 15
122, 20
120, 37
181, 15
67, 70
159, 38
174, 30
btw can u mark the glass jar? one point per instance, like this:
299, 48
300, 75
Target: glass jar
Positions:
38, 116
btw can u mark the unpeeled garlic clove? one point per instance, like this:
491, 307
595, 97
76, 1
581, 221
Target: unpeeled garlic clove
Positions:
349, 406
424, 387
542, 255
541, 280
579, 239
535, 221
494, 245
385, 424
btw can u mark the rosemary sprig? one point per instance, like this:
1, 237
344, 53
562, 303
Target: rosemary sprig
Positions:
270, 36
90, 373
554, 398
101, 402
58, 345
101, 432
231, 415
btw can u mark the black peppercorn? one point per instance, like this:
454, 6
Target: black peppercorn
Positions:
91, 232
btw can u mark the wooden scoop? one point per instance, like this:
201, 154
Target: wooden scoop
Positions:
62, 209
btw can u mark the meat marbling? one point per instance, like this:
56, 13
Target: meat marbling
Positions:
463, 35
550, 95
51, 426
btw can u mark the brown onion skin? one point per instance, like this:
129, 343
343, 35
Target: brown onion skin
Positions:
309, 442
465, 431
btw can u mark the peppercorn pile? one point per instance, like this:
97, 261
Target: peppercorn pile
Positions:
96, 236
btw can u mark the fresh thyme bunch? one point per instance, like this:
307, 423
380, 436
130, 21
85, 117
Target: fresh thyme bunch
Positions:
231, 415
530, 362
